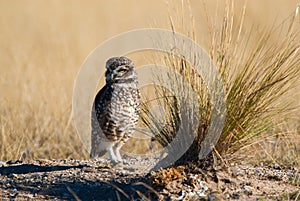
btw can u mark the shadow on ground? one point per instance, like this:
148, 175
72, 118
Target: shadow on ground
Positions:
43, 182
29, 168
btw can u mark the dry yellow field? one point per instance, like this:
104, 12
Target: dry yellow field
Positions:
43, 44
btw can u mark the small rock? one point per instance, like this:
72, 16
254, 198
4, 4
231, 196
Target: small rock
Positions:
36, 175
276, 167
14, 194
215, 196
248, 190
180, 197
88, 169
12, 175
235, 195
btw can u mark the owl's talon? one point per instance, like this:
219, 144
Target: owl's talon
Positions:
114, 162
125, 162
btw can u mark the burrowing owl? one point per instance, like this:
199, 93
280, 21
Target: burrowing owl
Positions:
115, 109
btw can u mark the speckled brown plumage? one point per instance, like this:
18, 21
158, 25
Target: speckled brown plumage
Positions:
115, 110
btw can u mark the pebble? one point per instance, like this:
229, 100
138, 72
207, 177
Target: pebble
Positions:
237, 171
248, 190
276, 167
36, 175
236, 195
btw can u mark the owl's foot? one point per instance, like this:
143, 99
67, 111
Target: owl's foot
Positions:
115, 157
125, 162
114, 163
119, 163
116, 150
118, 155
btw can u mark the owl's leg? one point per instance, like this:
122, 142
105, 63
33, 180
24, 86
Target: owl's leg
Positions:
111, 153
100, 147
117, 148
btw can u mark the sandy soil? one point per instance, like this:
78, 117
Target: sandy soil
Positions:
99, 180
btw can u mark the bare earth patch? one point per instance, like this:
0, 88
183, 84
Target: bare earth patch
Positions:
99, 180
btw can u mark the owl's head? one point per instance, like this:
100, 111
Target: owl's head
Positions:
120, 70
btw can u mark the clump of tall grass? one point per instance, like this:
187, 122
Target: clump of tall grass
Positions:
183, 110
258, 73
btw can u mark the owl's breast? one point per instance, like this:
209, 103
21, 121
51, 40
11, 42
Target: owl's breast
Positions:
122, 109
125, 103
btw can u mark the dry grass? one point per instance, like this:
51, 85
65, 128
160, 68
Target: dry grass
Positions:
43, 46
259, 78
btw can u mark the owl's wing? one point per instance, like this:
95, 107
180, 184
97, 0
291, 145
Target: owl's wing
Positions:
98, 119
101, 102
101, 95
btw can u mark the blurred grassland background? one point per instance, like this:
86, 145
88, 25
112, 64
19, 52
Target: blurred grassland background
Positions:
43, 44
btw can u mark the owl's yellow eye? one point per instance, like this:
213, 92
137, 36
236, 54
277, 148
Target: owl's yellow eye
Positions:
122, 71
